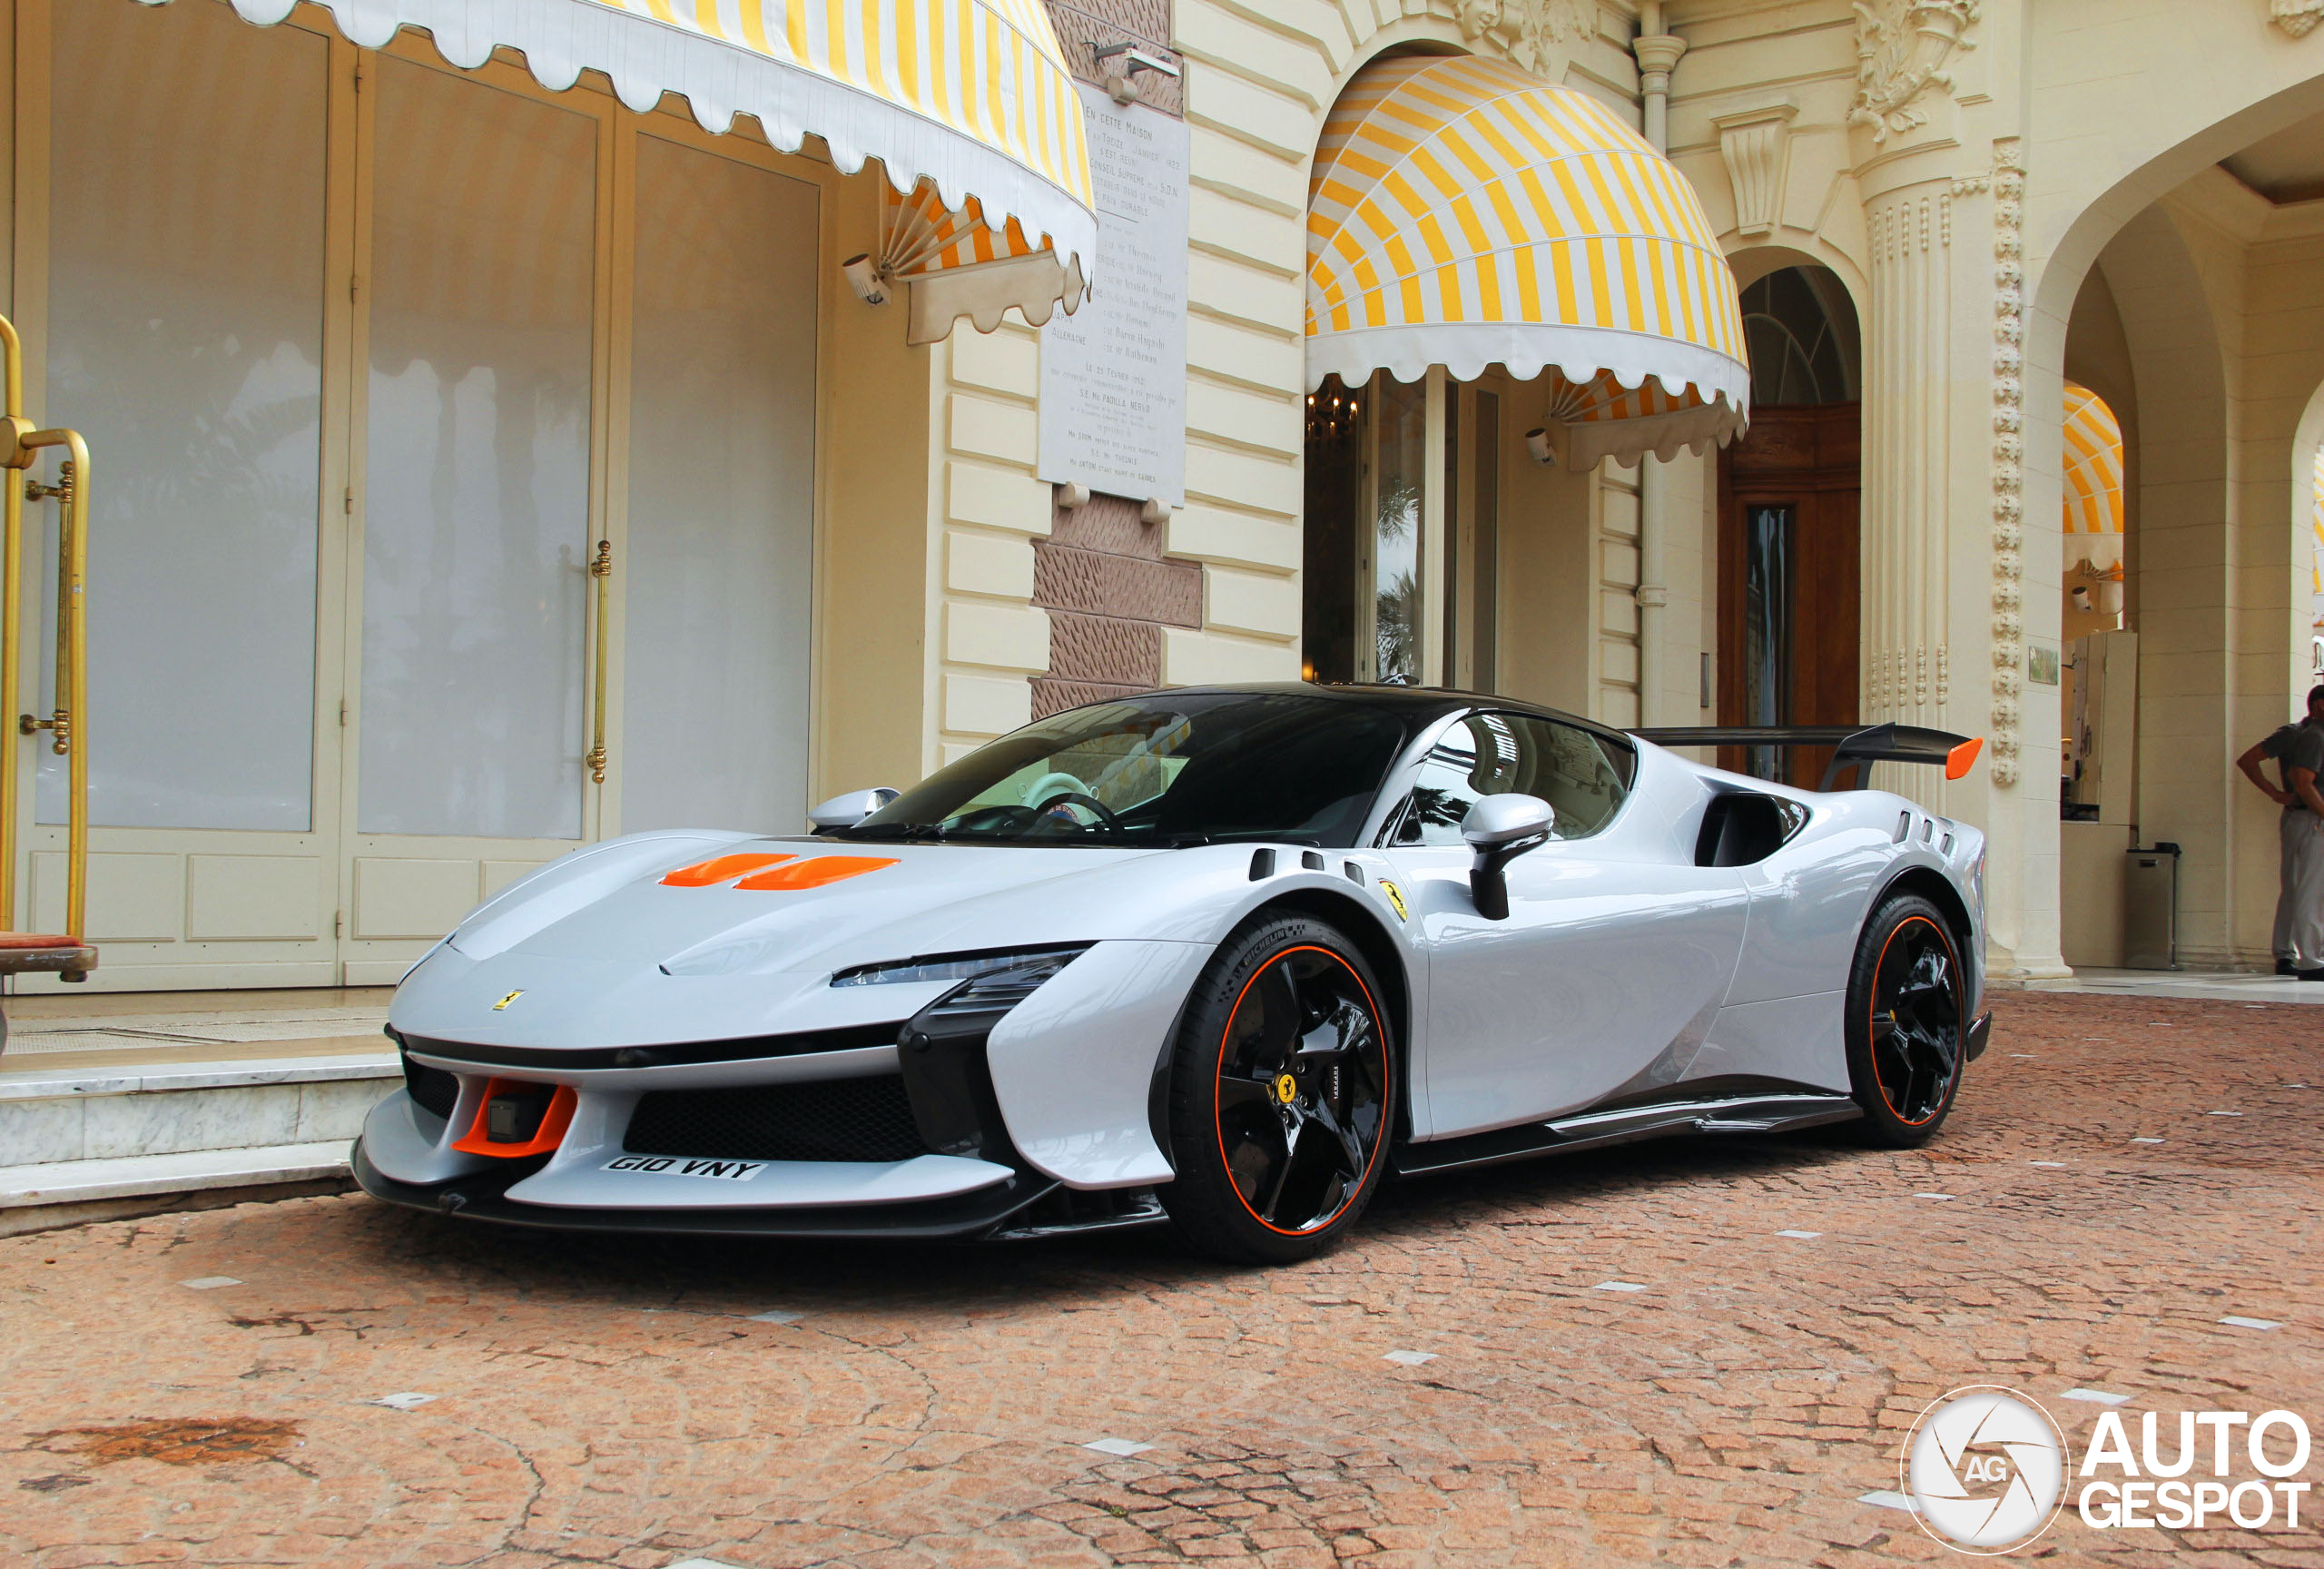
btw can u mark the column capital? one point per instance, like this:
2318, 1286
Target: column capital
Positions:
1658, 53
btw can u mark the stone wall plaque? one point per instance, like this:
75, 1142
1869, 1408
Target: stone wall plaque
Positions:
1113, 412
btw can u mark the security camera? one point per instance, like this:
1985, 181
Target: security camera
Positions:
1537, 442
865, 280
1119, 63
2081, 598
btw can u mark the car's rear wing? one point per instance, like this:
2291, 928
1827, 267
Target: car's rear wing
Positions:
1855, 746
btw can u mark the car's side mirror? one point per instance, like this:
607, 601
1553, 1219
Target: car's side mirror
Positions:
1500, 828
846, 811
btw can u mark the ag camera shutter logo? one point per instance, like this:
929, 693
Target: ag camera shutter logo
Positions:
1986, 1468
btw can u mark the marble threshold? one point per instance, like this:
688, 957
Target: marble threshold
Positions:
123, 1104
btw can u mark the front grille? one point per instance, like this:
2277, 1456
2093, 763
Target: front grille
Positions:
431, 1088
865, 1118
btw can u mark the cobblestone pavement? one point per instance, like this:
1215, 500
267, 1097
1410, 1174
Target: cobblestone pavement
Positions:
607, 1402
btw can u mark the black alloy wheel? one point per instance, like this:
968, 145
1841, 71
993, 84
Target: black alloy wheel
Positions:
1907, 1026
1281, 1095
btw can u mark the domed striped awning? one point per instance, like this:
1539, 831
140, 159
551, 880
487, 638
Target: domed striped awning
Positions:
968, 104
1464, 213
2094, 494
2316, 539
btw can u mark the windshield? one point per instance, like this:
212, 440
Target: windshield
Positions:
1172, 768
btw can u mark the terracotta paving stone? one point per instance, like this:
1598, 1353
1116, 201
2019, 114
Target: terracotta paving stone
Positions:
603, 1401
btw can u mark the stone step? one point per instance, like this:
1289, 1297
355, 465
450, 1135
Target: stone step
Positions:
110, 1142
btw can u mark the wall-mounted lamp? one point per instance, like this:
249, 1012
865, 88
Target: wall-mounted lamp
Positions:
1118, 63
864, 277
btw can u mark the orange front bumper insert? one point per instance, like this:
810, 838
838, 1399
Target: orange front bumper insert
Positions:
547, 1136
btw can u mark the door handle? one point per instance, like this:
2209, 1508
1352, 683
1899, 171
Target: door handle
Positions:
61, 720
601, 567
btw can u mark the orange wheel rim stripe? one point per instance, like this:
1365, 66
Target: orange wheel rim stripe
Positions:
1387, 1087
1871, 1021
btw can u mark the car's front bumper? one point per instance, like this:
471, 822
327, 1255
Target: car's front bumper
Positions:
484, 1195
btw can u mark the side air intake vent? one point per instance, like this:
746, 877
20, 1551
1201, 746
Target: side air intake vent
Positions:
432, 1089
866, 1118
1742, 829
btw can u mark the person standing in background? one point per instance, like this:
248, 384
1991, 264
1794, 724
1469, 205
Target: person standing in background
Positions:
2299, 753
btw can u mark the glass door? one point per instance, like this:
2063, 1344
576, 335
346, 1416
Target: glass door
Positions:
376, 359
174, 250
1402, 548
722, 484
477, 316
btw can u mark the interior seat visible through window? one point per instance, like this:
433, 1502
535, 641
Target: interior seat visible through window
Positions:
1583, 776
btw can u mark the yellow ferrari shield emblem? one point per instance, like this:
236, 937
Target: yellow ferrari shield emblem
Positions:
504, 1003
1286, 1088
1396, 897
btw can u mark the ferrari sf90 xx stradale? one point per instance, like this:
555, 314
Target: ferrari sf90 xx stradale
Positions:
1226, 955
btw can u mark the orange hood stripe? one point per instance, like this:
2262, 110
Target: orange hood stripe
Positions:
703, 874
814, 873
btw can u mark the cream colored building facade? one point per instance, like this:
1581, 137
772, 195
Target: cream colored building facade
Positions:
2127, 193
1992, 198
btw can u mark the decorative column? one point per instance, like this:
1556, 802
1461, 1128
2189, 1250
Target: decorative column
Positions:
1907, 670
1947, 624
1658, 52
2008, 183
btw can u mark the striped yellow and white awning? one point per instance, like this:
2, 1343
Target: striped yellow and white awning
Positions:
1464, 213
968, 104
2316, 539
960, 265
2093, 475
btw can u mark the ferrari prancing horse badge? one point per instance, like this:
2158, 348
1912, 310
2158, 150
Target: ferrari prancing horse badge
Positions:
504, 1003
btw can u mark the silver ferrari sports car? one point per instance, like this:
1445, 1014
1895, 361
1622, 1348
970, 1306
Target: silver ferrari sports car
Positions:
1221, 956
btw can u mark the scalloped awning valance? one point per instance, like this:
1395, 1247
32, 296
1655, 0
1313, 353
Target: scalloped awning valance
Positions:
1464, 213
968, 104
2093, 488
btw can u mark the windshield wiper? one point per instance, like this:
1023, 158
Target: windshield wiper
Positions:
869, 831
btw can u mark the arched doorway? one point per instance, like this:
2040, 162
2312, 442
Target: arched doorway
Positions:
1788, 499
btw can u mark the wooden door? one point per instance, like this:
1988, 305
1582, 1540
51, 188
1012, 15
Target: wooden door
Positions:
1789, 569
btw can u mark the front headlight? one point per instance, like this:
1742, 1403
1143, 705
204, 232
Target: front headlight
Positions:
1025, 967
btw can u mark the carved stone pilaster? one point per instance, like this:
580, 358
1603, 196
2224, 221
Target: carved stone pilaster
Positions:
1902, 47
2007, 183
1756, 145
2296, 17
1907, 663
1530, 32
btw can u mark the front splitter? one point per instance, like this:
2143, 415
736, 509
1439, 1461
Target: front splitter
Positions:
482, 1196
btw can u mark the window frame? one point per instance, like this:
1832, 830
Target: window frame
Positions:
1396, 790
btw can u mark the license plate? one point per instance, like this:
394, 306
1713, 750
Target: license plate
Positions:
682, 1166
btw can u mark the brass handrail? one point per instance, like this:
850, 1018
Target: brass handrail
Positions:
602, 570
69, 721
